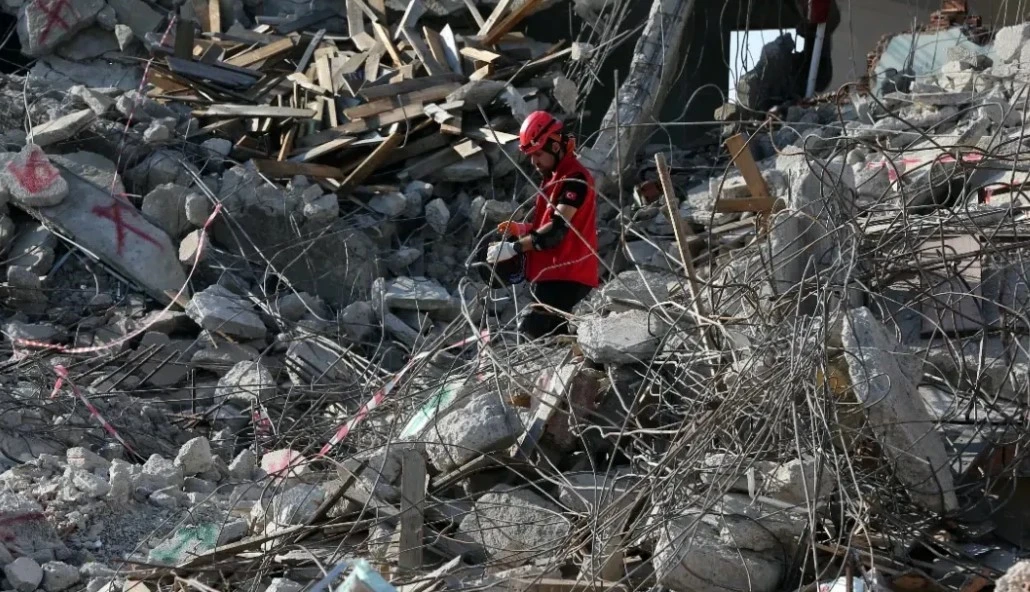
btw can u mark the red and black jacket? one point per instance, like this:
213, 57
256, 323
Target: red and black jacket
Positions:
574, 259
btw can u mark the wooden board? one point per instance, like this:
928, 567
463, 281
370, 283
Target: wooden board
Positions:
361, 126
322, 149
287, 169
510, 22
495, 17
274, 49
746, 204
214, 16
372, 162
428, 95
413, 498
228, 110
379, 91
418, 45
383, 36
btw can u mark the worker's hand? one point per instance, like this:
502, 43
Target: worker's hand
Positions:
516, 229
500, 252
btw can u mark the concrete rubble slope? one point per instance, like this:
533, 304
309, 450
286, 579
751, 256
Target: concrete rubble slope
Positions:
245, 347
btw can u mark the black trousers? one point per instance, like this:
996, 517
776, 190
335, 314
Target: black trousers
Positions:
555, 294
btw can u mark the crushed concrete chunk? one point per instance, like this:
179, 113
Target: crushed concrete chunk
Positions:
886, 387
514, 525
217, 309
195, 457
24, 574
621, 338
58, 576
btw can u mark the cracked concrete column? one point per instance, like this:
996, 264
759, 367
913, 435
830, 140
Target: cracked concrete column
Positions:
642, 94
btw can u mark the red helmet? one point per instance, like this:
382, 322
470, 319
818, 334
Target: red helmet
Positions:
537, 131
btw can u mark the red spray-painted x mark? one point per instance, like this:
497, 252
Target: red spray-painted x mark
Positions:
52, 9
37, 174
113, 213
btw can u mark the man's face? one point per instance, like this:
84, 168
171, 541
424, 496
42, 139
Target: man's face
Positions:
543, 161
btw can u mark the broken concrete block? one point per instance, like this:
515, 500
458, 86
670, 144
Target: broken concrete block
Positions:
249, 382
62, 128
159, 473
33, 248
297, 305
195, 457
621, 338
45, 24
88, 483
885, 385
85, 459
198, 209
515, 525
31, 180
58, 576
1009, 41
218, 309
242, 467
418, 293
482, 424
1016, 579
437, 216
98, 102
24, 574
689, 555
165, 206
283, 585
637, 288
390, 204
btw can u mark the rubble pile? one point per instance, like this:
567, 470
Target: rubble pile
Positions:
246, 350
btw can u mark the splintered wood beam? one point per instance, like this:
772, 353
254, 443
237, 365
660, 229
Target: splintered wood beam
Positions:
412, 517
384, 37
747, 166
360, 126
214, 16
321, 149
509, 23
495, 17
428, 95
372, 162
227, 110
736, 205
370, 93
681, 230
476, 15
433, 67
274, 49
286, 169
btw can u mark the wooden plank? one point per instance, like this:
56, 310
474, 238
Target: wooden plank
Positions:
682, 231
303, 63
476, 15
286, 169
329, 107
356, 25
495, 17
413, 499
482, 73
433, 68
415, 10
202, 14
214, 16
417, 148
287, 145
480, 55
379, 91
427, 95
227, 110
745, 204
325, 74
372, 162
436, 47
184, 39
384, 37
450, 47
485, 134
274, 49
741, 155
361, 126
322, 149
510, 22
467, 148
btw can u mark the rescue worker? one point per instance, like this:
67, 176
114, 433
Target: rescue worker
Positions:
560, 244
